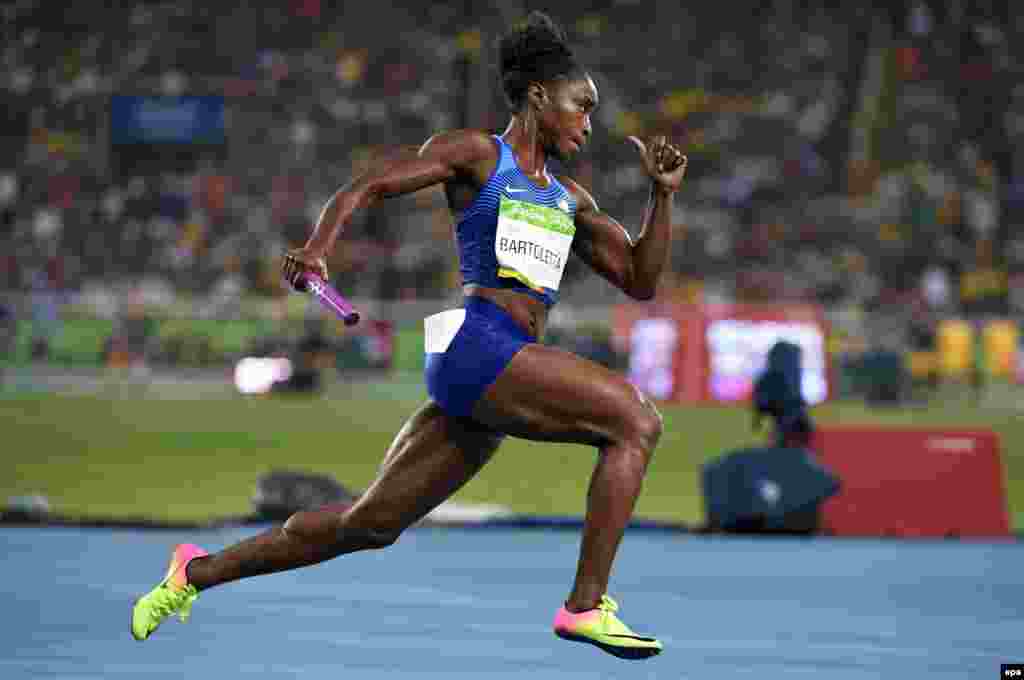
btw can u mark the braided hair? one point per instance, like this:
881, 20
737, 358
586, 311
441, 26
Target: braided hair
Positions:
536, 51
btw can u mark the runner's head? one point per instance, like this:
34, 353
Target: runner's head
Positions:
545, 83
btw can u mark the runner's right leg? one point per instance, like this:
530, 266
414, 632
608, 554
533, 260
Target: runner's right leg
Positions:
430, 459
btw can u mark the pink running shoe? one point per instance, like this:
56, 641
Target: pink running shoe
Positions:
603, 629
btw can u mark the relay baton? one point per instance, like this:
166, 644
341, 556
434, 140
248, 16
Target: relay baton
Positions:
329, 298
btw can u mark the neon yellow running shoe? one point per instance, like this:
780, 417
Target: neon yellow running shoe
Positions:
603, 629
174, 595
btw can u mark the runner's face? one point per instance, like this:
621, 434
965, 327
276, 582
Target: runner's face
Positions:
565, 115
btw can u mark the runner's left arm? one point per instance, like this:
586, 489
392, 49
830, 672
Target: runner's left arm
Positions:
605, 245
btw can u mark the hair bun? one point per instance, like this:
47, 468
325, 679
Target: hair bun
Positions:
535, 49
535, 38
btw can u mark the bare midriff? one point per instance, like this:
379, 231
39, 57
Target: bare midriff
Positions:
528, 312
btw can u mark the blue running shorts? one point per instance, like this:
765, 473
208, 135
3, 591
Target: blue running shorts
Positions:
467, 349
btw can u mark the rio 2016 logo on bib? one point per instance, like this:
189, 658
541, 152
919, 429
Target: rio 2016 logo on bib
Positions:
532, 242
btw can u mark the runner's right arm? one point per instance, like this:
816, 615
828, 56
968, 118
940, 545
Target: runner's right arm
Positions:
443, 157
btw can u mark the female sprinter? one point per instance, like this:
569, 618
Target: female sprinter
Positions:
487, 374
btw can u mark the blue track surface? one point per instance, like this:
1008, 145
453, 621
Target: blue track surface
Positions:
447, 603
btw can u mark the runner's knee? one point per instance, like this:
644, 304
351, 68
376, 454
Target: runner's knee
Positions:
329, 528
642, 426
650, 426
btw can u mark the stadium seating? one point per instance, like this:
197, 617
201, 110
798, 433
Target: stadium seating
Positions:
835, 153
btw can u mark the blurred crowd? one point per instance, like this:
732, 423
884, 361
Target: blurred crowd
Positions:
859, 155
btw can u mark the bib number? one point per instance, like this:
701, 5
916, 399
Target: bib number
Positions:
532, 242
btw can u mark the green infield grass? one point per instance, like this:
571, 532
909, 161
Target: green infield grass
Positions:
122, 455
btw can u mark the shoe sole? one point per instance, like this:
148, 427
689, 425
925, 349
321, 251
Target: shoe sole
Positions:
630, 653
131, 622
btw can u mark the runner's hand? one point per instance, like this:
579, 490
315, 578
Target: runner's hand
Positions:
299, 260
663, 161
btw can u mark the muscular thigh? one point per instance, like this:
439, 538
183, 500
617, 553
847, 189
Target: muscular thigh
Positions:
431, 457
549, 394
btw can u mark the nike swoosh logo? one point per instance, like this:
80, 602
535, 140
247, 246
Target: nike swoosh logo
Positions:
510, 190
638, 638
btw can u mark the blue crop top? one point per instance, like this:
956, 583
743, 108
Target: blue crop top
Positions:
536, 232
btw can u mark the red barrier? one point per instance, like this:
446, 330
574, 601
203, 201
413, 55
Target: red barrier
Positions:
914, 482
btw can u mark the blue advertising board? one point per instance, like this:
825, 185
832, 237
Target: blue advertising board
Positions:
167, 120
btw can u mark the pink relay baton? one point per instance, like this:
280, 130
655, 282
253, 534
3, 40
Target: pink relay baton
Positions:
329, 298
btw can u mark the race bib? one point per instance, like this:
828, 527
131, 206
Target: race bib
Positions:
532, 242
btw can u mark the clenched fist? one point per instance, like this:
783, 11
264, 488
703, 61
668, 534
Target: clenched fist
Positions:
298, 261
663, 161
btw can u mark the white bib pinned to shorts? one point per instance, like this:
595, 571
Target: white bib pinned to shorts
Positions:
440, 329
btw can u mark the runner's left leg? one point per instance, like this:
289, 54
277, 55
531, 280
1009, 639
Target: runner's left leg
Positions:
548, 394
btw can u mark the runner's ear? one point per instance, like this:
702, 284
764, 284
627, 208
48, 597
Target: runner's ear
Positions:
537, 95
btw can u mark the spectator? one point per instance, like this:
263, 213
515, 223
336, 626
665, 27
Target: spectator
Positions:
778, 394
